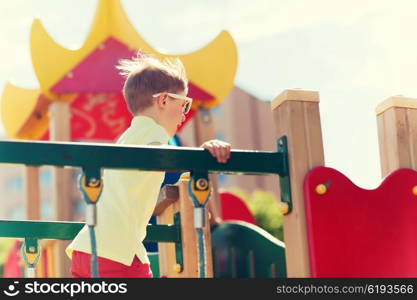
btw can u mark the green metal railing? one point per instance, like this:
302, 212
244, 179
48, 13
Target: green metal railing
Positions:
87, 155
94, 157
68, 230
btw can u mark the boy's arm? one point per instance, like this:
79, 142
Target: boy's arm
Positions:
221, 151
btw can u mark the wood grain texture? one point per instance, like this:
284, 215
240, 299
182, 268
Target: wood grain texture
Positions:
397, 133
59, 127
297, 116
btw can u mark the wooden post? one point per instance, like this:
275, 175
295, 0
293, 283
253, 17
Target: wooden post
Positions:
296, 115
167, 260
397, 133
32, 194
204, 131
60, 130
166, 251
189, 236
32, 200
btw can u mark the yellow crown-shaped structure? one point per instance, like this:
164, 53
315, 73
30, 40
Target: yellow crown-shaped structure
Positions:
25, 112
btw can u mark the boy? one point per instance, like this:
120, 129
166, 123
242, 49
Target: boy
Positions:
155, 94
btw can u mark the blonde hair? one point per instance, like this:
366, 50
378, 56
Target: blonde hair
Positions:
146, 76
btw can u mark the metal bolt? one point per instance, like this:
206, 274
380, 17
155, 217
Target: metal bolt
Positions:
94, 182
321, 189
283, 208
202, 183
177, 268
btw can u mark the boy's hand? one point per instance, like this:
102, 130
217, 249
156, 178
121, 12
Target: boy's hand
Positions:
219, 149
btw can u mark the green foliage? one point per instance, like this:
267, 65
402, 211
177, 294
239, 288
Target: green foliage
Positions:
265, 208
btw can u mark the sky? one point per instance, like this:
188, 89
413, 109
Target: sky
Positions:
355, 53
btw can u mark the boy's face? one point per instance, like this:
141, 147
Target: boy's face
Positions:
173, 114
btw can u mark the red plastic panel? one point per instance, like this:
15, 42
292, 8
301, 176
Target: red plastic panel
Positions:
353, 232
99, 117
234, 208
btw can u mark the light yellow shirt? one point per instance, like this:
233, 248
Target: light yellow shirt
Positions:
126, 203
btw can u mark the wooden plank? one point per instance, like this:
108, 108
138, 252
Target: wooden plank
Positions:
60, 130
166, 251
167, 259
165, 209
32, 201
387, 142
51, 259
396, 101
397, 133
32, 194
189, 236
296, 115
412, 123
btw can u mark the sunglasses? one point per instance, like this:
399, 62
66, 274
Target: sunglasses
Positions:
188, 100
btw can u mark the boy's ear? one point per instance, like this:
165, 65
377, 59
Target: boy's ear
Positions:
161, 100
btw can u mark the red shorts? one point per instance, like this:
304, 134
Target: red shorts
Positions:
81, 262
